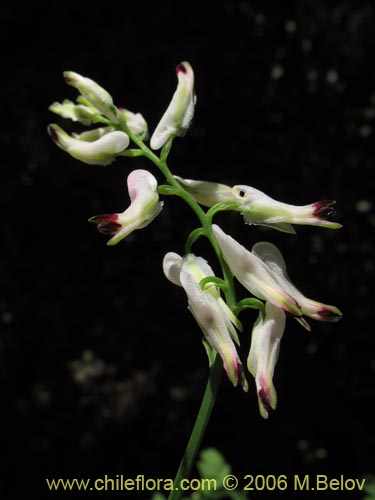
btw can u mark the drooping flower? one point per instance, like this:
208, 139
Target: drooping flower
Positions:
271, 256
101, 151
94, 93
253, 274
212, 314
177, 117
259, 208
143, 209
264, 351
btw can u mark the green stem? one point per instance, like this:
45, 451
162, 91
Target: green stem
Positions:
199, 429
216, 369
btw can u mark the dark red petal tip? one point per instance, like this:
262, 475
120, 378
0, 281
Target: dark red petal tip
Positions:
106, 223
181, 68
329, 315
52, 133
323, 209
264, 396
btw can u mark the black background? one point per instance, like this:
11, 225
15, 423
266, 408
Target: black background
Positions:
102, 366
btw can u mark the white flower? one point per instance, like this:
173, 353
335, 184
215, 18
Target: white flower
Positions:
143, 209
271, 256
212, 314
253, 274
93, 134
180, 111
259, 208
207, 193
264, 351
101, 151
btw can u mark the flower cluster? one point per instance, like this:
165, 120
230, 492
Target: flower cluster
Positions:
261, 270
101, 146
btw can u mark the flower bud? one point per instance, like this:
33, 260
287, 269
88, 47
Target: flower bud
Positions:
135, 122
76, 112
95, 94
177, 117
102, 151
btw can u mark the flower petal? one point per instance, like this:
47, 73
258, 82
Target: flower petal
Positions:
264, 351
172, 267
180, 111
259, 208
94, 93
253, 274
102, 151
143, 209
209, 316
273, 259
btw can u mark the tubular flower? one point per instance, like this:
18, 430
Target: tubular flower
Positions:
101, 151
264, 351
177, 117
259, 208
252, 273
94, 93
143, 209
272, 258
212, 314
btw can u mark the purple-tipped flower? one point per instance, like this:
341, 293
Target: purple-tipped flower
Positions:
144, 207
253, 274
101, 151
272, 258
259, 208
264, 351
177, 118
212, 314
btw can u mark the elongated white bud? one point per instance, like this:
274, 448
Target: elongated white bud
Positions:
180, 111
